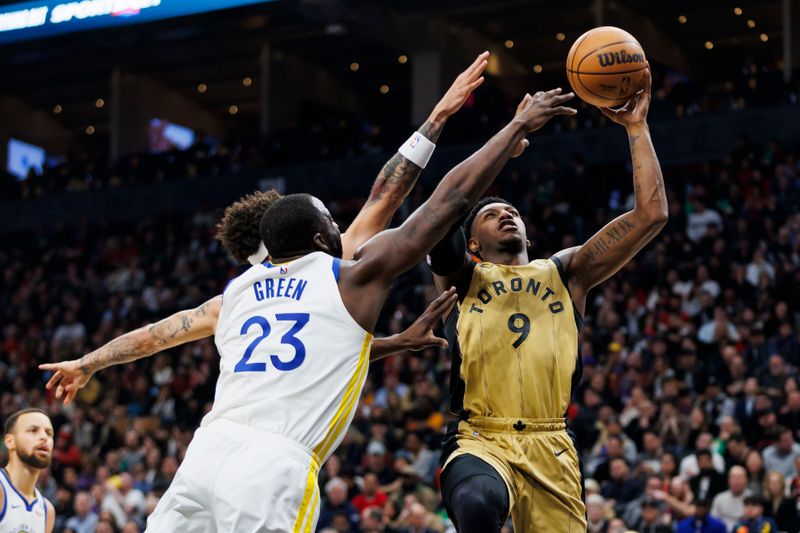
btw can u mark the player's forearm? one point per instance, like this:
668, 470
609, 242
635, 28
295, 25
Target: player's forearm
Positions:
648, 181
465, 183
454, 195
386, 346
177, 329
399, 174
124, 349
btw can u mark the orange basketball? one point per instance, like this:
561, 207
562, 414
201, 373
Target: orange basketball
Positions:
606, 66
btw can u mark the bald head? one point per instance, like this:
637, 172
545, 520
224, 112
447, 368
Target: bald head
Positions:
737, 479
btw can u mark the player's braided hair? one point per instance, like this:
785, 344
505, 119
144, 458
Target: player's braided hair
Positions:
238, 231
476, 209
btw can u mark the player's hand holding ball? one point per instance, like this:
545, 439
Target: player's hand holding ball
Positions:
607, 68
634, 112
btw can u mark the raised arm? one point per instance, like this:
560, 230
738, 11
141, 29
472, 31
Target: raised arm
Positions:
605, 253
397, 250
399, 174
180, 328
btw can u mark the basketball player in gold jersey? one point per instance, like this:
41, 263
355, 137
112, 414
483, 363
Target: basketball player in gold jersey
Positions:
514, 337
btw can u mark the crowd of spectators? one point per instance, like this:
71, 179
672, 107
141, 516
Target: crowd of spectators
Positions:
317, 132
687, 417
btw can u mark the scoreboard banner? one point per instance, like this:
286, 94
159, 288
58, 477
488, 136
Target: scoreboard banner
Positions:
43, 18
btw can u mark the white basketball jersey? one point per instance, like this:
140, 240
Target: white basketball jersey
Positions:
292, 359
17, 515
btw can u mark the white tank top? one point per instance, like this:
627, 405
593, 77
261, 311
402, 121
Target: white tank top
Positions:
292, 359
17, 515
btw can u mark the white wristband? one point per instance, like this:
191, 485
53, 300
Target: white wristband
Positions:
418, 149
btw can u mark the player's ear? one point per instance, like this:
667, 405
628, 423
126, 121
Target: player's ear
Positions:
473, 246
321, 244
8, 440
527, 244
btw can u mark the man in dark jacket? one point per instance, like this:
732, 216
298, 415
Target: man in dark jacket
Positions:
708, 483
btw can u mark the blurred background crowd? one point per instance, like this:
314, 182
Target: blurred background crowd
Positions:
320, 133
688, 413
689, 402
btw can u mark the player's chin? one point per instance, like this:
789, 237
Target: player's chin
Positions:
511, 240
509, 236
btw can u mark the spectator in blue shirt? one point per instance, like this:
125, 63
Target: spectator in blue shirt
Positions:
754, 520
702, 521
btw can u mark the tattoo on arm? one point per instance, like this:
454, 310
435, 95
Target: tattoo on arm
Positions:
613, 235
119, 350
126, 348
399, 174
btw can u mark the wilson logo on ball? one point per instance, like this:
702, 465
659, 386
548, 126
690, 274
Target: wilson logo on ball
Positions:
619, 58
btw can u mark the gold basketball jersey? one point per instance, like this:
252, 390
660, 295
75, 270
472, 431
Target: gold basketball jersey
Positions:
517, 332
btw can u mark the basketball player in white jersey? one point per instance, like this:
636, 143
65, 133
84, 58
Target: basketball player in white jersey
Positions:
239, 233
28, 437
294, 340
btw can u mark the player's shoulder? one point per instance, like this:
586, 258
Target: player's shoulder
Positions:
50, 521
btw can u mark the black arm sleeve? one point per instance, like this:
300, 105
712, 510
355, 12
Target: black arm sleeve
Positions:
449, 255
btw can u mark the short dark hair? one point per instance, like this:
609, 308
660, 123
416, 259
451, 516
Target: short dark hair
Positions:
754, 500
11, 421
704, 451
476, 209
239, 229
289, 225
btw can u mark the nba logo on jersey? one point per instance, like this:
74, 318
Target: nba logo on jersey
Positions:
284, 269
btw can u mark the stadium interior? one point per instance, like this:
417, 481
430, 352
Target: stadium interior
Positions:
121, 145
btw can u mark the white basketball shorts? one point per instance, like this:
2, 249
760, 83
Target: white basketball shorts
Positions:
238, 479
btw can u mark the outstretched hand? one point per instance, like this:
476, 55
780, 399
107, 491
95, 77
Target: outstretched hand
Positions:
534, 111
465, 83
419, 335
68, 378
635, 110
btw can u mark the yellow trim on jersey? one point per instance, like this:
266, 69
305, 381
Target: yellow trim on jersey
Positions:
314, 505
311, 482
348, 400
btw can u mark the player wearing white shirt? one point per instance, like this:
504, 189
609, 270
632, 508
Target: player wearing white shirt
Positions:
28, 437
294, 339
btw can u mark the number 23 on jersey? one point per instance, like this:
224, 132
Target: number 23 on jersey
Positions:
289, 338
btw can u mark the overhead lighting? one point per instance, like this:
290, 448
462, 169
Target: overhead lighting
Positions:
709, 45
99, 103
354, 66
537, 69
403, 59
764, 37
247, 82
737, 11
57, 109
89, 130
384, 89
682, 19
233, 109
560, 36
202, 88
509, 43
751, 23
